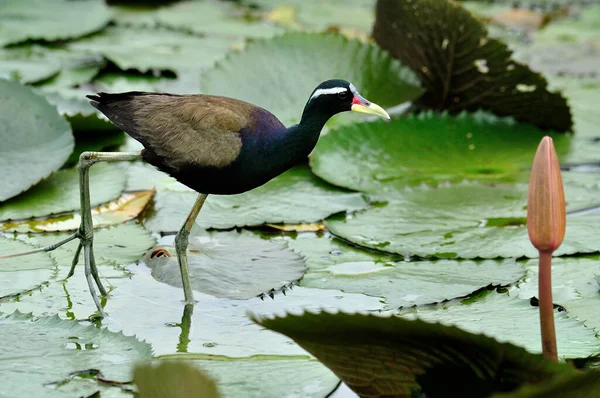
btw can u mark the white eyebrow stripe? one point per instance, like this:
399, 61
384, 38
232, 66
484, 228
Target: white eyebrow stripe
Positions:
333, 90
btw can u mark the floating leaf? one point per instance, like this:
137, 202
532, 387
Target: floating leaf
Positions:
232, 264
154, 49
461, 67
60, 193
336, 265
173, 380
213, 18
464, 221
36, 141
312, 200
513, 320
394, 357
22, 20
20, 274
26, 65
376, 75
127, 207
60, 349
427, 148
117, 245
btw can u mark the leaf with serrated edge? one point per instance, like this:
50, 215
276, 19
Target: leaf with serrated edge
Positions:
333, 264
237, 265
461, 67
394, 357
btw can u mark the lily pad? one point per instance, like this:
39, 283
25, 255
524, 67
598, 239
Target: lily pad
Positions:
464, 221
60, 193
428, 148
36, 141
393, 357
312, 200
335, 265
22, 20
26, 66
237, 265
213, 18
376, 75
512, 320
20, 274
154, 49
463, 68
57, 348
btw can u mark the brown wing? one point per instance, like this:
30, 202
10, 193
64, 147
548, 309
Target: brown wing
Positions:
180, 129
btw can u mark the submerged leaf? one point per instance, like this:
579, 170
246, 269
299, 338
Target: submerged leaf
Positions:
231, 264
36, 141
394, 357
461, 67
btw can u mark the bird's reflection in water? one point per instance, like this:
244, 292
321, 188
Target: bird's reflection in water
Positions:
185, 325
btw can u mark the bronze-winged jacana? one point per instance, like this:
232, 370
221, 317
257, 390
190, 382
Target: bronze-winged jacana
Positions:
213, 145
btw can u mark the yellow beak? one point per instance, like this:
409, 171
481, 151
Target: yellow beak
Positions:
371, 109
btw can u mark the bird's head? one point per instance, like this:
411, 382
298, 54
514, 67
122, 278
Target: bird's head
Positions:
335, 96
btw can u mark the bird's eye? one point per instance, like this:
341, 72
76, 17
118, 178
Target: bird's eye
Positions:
343, 95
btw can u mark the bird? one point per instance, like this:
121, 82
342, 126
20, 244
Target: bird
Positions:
213, 145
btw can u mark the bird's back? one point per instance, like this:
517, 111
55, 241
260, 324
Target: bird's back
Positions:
191, 137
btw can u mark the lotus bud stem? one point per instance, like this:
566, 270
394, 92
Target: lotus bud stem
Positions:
546, 223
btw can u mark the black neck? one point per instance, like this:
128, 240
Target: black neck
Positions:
304, 136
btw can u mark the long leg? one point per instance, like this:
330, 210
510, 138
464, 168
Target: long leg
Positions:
86, 229
181, 243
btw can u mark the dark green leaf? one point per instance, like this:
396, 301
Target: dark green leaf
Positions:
394, 357
461, 67
577, 385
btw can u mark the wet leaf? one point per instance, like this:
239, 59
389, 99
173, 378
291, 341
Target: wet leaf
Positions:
237, 265
22, 273
464, 221
312, 200
26, 66
427, 148
333, 264
394, 357
56, 349
36, 141
46, 20
510, 318
60, 193
173, 380
461, 67
154, 49
379, 78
